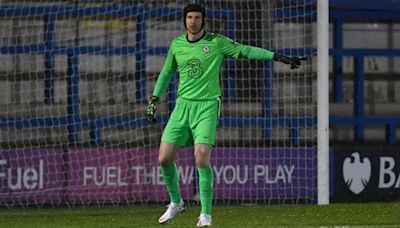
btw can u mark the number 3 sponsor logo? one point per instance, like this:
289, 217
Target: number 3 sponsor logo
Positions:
195, 70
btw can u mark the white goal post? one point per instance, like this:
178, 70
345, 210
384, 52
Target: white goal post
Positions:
323, 101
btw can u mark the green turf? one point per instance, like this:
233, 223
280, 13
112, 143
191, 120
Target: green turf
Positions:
361, 215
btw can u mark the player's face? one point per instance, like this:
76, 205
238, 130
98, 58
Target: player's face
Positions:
193, 22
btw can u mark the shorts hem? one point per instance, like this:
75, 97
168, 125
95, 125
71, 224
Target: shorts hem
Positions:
203, 142
176, 143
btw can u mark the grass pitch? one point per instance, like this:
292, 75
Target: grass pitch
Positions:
343, 215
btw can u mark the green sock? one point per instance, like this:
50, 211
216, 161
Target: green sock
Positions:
171, 180
206, 182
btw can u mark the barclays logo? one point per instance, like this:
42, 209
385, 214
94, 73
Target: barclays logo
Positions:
356, 172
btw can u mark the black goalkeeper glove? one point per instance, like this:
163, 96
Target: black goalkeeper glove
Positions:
294, 61
151, 109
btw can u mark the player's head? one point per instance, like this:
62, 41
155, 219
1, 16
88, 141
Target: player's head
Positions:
194, 18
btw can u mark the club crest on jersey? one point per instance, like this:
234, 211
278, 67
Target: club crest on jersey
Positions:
206, 48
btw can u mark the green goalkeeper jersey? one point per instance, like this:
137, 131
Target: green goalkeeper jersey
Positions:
199, 64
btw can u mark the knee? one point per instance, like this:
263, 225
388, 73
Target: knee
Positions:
164, 160
202, 157
166, 154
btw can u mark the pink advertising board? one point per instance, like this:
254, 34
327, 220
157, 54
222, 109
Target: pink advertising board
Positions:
133, 175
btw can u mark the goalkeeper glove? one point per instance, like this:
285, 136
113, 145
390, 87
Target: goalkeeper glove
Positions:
151, 109
294, 61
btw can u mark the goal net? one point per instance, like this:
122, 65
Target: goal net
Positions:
75, 77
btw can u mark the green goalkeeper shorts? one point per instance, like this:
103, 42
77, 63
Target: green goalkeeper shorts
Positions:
192, 122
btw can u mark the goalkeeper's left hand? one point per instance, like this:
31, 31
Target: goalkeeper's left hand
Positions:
294, 61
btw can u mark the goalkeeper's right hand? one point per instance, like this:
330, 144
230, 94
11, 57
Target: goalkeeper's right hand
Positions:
151, 109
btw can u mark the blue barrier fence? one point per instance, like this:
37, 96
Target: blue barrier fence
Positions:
338, 16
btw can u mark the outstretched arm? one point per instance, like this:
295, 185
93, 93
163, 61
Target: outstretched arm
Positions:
262, 54
237, 50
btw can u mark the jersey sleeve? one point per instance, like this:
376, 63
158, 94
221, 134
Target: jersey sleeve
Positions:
166, 73
237, 50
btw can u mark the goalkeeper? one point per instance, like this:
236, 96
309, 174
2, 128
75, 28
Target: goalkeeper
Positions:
197, 55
